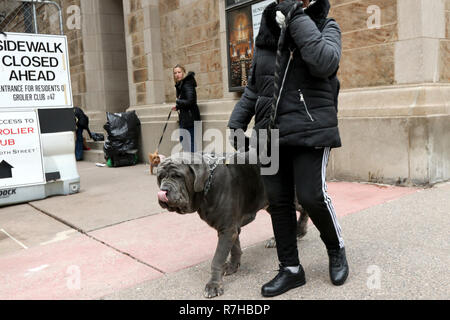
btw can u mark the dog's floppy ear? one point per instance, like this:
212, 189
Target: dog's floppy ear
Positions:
197, 166
200, 176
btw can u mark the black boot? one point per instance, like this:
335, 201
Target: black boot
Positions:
338, 266
284, 281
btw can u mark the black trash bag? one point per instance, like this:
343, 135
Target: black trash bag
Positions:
98, 136
129, 158
123, 137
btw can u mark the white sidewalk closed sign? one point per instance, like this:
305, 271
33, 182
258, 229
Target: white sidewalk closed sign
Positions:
34, 71
37, 122
20, 150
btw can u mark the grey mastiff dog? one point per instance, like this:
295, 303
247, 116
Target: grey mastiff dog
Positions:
226, 196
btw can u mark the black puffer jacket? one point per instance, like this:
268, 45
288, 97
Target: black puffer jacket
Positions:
307, 112
187, 101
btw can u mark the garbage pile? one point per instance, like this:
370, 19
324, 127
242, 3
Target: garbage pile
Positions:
121, 146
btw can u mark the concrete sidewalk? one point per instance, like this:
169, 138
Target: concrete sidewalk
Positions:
113, 241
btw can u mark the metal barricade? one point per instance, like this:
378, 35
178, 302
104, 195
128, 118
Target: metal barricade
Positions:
31, 16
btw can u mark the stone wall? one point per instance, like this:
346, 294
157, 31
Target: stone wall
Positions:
190, 37
139, 71
76, 55
367, 54
144, 57
104, 57
7, 6
394, 104
444, 48
395, 95
12, 17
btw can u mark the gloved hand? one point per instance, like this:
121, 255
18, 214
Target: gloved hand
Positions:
287, 5
281, 19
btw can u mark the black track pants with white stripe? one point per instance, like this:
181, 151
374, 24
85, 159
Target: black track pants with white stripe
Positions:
302, 171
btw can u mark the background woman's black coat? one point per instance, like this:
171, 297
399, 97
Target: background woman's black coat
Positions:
307, 112
187, 101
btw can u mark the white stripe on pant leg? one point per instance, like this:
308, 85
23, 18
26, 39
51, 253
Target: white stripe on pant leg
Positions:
327, 199
325, 188
329, 203
330, 206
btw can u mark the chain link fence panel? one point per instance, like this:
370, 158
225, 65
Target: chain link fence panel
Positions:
30, 16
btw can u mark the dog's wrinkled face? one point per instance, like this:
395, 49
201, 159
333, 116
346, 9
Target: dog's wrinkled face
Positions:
178, 183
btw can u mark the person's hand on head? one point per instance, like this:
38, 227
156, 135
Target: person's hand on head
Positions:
281, 19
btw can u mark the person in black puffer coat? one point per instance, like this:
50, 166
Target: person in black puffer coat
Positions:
186, 104
308, 128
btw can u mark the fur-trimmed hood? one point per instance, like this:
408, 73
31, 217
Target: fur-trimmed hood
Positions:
190, 77
269, 31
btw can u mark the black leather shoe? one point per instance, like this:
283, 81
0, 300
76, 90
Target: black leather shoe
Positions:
338, 266
284, 281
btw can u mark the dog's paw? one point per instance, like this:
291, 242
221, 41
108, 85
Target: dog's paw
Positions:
213, 289
271, 243
230, 268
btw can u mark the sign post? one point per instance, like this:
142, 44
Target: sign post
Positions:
36, 148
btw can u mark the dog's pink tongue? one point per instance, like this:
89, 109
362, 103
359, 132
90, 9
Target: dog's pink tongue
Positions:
162, 196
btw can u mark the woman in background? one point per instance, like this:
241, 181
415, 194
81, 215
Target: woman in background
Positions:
186, 104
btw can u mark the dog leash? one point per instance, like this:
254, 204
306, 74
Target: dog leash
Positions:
165, 126
164, 130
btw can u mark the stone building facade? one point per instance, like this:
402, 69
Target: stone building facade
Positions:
394, 106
